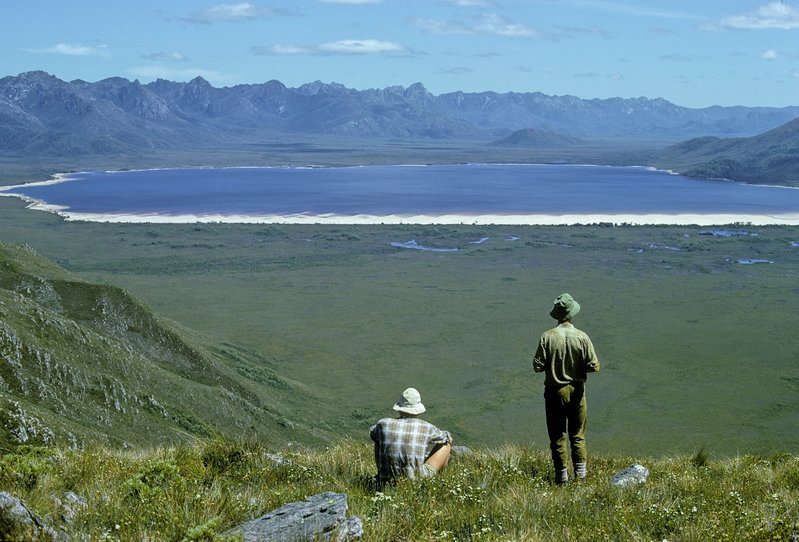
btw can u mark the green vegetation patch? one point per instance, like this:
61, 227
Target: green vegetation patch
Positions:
326, 324
198, 492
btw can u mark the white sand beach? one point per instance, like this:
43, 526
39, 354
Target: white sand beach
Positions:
479, 220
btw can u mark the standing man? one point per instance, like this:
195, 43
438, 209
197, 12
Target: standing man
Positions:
566, 356
409, 446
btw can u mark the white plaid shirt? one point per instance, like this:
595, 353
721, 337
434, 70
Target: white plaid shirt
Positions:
402, 445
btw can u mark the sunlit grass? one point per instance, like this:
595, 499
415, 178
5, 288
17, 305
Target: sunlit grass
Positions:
199, 492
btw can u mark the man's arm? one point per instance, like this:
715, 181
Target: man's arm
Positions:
539, 359
592, 362
441, 437
437, 436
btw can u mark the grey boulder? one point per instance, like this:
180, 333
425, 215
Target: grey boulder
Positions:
320, 517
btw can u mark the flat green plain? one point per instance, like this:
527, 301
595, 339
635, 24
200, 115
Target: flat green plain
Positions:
697, 350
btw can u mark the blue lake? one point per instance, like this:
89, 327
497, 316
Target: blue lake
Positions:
512, 193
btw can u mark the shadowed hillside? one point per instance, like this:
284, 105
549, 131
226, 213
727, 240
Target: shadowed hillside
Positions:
82, 362
769, 158
538, 138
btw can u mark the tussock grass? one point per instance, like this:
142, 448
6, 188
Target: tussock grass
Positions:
198, 492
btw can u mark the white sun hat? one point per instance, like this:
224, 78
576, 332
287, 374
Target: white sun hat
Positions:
410, 402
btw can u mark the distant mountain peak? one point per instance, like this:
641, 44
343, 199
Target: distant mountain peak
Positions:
417, 88
37, 75
318, 87
199, 81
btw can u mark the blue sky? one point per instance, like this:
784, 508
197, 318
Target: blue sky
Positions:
695, 54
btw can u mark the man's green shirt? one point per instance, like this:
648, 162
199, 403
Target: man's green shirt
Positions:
566, 354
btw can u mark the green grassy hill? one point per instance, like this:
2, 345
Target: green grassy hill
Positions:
83, 362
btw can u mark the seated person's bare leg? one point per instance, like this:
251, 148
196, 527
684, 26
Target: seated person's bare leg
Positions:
439, 457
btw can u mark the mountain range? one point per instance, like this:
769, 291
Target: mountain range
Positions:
41, 115
57, 122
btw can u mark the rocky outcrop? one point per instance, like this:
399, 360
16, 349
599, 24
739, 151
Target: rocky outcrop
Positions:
319, 517
17, 522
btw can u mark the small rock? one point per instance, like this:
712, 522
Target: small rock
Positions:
461, 450
278, 460
633, 475
71, 505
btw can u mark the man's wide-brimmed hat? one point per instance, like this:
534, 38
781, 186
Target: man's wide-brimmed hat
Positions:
564, 307
410, 402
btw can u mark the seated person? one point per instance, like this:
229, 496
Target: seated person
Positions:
409, 446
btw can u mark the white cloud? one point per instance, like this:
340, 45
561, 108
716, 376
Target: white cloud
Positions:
440, 26
342, 47
361, 46
72, 49
243, 11
284, 50
488, 24
167, 56
771, 54
774, 15
496, 24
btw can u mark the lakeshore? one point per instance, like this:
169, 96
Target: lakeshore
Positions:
465, 194
443, 220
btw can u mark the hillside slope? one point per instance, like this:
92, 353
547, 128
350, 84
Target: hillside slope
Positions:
771, 157
83, 362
